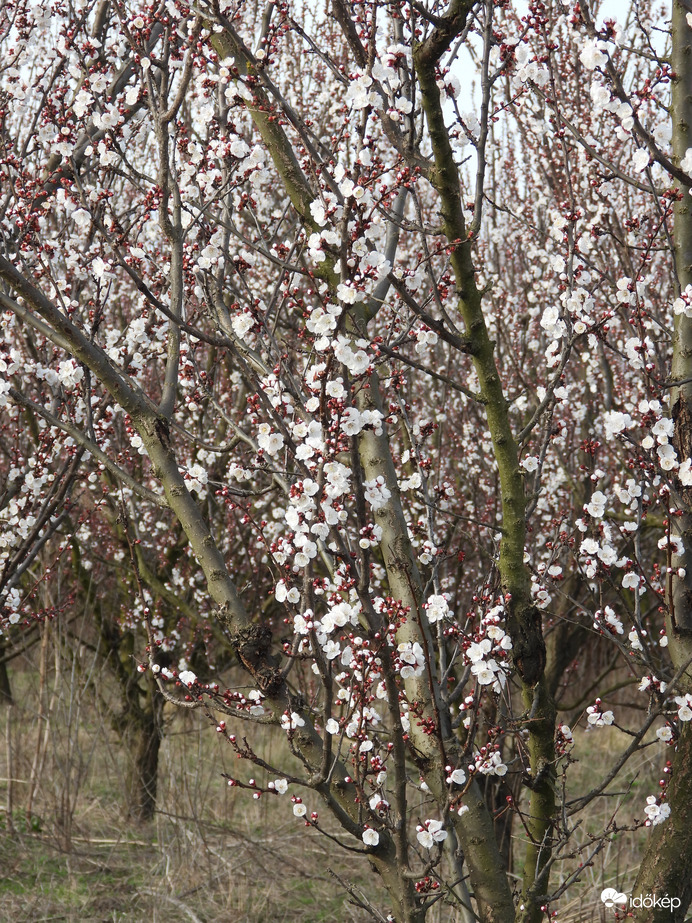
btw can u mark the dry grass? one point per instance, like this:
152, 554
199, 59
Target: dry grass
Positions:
618, 863
212, 854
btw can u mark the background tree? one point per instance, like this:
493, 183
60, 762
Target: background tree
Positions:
383, 307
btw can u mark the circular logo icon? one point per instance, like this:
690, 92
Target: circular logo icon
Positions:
611, 897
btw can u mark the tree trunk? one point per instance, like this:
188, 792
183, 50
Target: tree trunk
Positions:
5, 686
142, 740
7, 701
680, 589
665, 869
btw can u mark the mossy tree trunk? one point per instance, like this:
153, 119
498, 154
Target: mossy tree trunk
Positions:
524, 622
665, 869
680, 589
142, 739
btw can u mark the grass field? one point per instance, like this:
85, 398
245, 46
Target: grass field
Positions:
212, 854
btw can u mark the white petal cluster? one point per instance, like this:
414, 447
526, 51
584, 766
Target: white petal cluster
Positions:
597, 717
615, 422
361, 93
353, 421
593, 54
270, 442
684, 703
430, 832
606, 620
356, 361
411, 659
656, 812
371, 837
596, 505
490, 764
376, 492
436, 608
289, 722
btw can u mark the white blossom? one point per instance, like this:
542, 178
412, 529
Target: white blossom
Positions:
436, 608
456, 777
655, 812
598, 718
592, 55
430, 832
640, 160
292, 721
371, 837
376, 492
684, 703
596, 506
